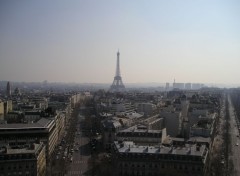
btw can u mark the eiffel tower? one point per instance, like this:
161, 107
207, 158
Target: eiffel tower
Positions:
117, 85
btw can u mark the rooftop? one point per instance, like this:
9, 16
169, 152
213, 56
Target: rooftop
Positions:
133, 115
140, 129
110, 123
42, 123
26, 149
188, 149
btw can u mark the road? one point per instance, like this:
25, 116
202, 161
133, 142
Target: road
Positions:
81, 154
62, 154
234, 133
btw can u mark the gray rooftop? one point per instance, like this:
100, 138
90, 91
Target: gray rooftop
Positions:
130, 147
111, 123
23, 150
133, 115
42, 123
140, 129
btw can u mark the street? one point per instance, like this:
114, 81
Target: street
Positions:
73, 152
234, 133
81, 154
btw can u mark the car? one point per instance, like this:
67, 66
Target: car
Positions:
236, 144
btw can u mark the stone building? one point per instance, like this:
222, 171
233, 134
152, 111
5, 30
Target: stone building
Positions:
140, 134
44, 130
110, 129
26, 160
130, 159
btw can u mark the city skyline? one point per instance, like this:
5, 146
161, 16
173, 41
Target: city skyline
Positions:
77, 41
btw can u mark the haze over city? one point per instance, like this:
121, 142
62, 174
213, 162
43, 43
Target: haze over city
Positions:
77, 41
120, 88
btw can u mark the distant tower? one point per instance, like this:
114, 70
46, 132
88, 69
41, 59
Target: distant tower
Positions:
9, 91
167, 86
117, 85
174, 84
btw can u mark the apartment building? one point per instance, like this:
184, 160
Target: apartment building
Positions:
140, 134
25, 160
130, 159
44, 130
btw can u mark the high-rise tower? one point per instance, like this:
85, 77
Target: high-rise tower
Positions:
9, 91
117, 85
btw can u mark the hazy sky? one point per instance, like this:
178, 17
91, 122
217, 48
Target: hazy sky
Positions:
77, 40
